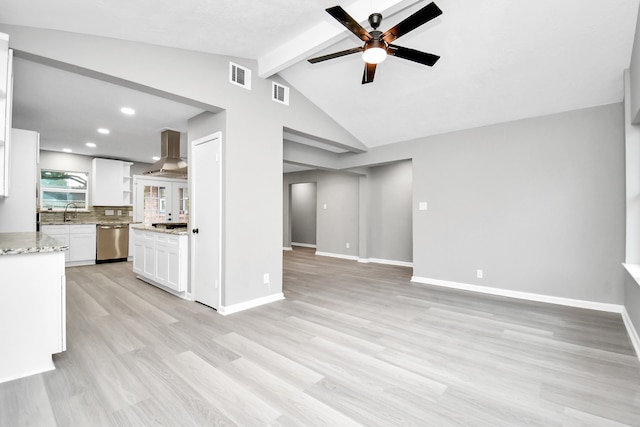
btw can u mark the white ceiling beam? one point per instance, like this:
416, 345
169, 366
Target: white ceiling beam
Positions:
324, 34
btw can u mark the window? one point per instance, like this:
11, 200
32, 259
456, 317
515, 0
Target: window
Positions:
59, 188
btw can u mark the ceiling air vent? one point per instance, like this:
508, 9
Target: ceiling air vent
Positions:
280, 93
239, 75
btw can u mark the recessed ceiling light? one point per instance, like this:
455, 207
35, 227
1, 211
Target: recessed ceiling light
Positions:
103, 131
156, 158
91, 144
67, 150
128, 111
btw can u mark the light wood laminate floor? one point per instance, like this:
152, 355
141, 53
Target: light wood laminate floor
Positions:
352, 344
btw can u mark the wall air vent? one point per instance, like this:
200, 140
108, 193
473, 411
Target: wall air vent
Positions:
239, 75
280, 93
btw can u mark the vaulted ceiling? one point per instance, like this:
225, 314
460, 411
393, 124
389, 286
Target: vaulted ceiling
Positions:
501, 60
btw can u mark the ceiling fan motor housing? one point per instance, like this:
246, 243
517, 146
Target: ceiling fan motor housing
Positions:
374, 20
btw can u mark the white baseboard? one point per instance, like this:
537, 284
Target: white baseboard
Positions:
592, 305
341, 256
385, 261
304, 245
633, 334
250, 304
287, 248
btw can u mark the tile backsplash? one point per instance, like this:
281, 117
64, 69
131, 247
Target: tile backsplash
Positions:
93, 214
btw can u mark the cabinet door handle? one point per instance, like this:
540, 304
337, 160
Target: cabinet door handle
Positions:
195, 231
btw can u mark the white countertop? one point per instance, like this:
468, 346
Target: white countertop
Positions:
27, 243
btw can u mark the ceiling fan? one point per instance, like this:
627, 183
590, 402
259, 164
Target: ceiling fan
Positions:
377, 45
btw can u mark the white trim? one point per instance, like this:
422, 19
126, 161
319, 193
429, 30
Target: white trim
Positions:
633, 270
79, 263
304, 245
592, 305
341, 256
225, 311
385, 261
633, 334
287, 248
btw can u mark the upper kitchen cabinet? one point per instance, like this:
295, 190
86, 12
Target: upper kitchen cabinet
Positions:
6, 90
110, 182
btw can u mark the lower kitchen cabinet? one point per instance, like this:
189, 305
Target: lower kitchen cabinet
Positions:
81, 239
32, 313
161, 258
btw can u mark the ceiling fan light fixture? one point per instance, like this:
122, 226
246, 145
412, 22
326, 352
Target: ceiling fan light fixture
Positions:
375, 52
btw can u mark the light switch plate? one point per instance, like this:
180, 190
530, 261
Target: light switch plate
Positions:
422, 206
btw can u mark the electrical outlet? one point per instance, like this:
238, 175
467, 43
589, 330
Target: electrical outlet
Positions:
479, 274
324, 206
348, 245
108, 212
119, 212
131, 213
266, 279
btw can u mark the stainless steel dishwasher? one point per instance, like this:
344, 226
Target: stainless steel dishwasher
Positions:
112, 242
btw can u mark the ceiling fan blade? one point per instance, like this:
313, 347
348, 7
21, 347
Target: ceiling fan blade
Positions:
422, 16
413, 55
335, 55
352, 25
369, 73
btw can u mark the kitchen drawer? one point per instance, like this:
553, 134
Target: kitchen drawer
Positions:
82, 229
55, 229
161, 238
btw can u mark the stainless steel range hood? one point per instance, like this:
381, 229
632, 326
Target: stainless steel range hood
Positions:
170, 163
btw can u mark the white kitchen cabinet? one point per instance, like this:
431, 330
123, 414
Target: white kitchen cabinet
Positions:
59, 232
6, 104
32, 313
18, 211
161, 259
81, 239
110, 182
82, 243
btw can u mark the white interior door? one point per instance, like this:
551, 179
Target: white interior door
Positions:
205, 180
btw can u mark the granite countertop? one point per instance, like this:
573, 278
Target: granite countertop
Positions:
95, 222
176, 231
28, 243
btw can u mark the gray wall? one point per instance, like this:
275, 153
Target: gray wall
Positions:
303, 213
252, 141
337, 225
389, 213
538, 204
635, 77
632, 113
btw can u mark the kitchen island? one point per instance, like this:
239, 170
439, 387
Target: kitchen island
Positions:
161, 257
32, 303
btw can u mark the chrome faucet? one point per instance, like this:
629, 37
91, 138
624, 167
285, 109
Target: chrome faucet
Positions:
75, 213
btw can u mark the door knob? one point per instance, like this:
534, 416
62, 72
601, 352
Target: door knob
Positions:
195, 231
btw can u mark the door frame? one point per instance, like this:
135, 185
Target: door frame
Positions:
193, 214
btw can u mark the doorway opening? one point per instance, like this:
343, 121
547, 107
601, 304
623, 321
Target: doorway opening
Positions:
304, 202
